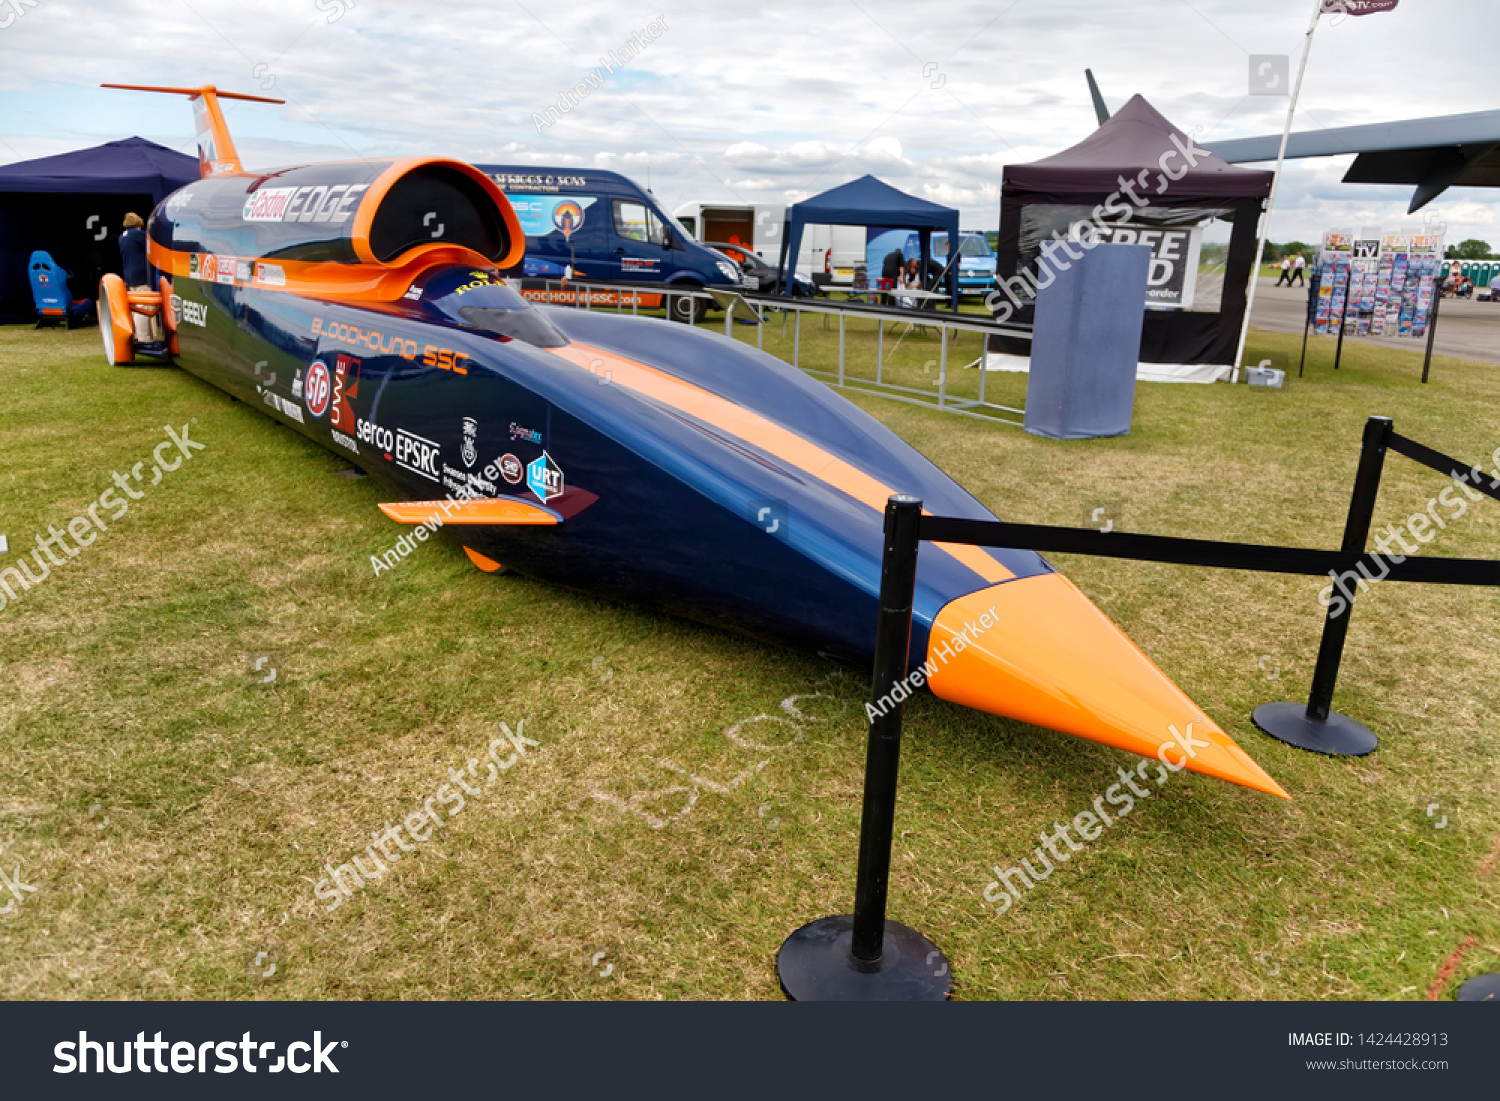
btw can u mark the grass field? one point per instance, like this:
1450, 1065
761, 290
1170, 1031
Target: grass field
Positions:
674, 822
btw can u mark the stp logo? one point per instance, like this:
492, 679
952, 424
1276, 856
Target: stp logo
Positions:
510, 469
317, 389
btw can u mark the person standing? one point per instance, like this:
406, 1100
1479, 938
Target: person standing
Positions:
1286, 271
911, 279
137, 275
890, 270
1299, 269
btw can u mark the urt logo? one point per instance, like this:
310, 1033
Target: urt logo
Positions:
545, 478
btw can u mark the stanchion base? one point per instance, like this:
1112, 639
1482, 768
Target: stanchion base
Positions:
1481, 988
1339, 736
815, 964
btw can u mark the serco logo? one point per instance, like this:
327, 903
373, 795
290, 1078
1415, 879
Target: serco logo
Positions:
382, 438
317, 389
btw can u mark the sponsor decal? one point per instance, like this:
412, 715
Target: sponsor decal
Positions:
419, 455
541, 215
318, 390
290, 408
471, 433
457, 480
345, 441
413, 292
271, 275
310, 203
637, 263
372, 433
513, 179
225, 270
207, 266
568, 217
194, 313
530, 435
267, 204
297, 384
194, 259
345, 386
595, 298
428, 355
244, 270
510, 469
545, 478
479, 279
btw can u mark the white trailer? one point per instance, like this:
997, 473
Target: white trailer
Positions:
833, 250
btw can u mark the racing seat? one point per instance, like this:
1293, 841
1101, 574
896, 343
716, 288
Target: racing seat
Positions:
136, 323
49, 291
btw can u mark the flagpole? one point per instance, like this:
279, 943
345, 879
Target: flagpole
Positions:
1265, 221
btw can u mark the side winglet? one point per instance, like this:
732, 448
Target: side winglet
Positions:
482, 510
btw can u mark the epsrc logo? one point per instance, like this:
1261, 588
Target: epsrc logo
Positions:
420, 456
310, 203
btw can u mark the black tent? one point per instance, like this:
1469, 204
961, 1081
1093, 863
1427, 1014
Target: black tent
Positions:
1138, 179
869, 202
72, 205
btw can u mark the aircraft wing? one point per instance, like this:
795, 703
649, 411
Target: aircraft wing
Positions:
1432, 153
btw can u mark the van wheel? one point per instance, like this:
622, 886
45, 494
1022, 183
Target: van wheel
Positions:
689, 311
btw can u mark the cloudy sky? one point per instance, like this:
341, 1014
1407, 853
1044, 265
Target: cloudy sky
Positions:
762, 102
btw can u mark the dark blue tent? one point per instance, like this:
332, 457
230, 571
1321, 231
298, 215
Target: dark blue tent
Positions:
870, 202
72, 205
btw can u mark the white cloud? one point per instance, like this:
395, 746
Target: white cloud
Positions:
748, 102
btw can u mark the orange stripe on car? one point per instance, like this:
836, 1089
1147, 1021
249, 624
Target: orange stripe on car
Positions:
756, 430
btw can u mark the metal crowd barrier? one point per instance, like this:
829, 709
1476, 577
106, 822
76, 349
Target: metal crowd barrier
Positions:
591, 295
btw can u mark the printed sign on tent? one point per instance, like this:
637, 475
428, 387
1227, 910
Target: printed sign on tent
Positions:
1174, 257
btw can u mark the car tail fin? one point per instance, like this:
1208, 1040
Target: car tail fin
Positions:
216, 152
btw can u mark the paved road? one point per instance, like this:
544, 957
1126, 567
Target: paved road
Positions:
1466, 329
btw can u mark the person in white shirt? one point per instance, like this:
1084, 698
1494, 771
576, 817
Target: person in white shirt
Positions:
1286, 271
1299, 268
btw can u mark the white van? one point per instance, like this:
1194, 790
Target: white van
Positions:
830, 250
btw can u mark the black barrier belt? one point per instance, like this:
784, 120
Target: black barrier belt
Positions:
1444, 464
1203, 552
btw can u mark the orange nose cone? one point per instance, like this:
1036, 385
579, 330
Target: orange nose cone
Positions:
1038, 650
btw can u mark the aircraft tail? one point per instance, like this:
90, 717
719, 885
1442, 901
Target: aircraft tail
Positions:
1101, 112
216, 152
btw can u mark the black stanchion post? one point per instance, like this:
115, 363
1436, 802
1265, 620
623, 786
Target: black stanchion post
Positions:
1437, 298
1301, 362
1343, 320
863, 956
1317, 727
1307, 323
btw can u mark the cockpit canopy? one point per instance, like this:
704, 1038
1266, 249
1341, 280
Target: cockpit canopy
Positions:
479, 298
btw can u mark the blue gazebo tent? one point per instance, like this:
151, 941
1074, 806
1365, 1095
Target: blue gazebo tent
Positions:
869, 202
72, 205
